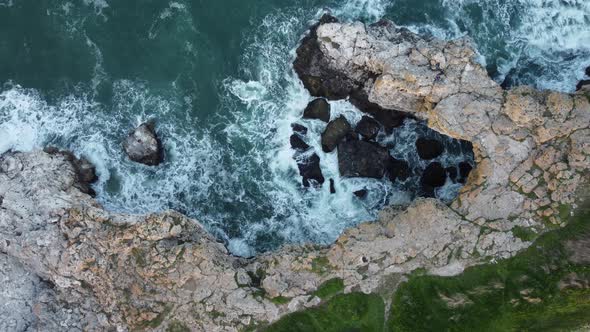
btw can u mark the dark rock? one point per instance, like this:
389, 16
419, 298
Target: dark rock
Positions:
398, 169
85, 171
434, 176
300, 129
389, 119
332, 187
582, 84
452, 173
318, 109
315, 71
143, 145
429, 148
464, 170
335, 132
368, 128
297, 143
362, 159
361, 193
309, 169
587, 72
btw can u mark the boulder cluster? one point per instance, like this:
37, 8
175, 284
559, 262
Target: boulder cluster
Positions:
359, 153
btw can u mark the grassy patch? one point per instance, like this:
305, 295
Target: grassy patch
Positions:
177, 326
329, 288
350, 312
525, 234
517, 294
280, 300
320, 265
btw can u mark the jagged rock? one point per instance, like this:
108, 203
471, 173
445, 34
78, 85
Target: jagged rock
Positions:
389, 119
297, 143
111, 271
317, 109
398, 169
429, 149
362, 159
368, 128
310, 170
85, 171
335, 132
452, 173
434, 176
464, 170
315, 72
332, 187
361, 193
582, 84
143, 145
299, 129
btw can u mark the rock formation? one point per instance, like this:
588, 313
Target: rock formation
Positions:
143, 145
84, 268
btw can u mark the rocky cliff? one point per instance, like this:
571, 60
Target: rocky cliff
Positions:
67, 264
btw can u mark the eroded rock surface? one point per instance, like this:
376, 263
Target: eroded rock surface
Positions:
104, 271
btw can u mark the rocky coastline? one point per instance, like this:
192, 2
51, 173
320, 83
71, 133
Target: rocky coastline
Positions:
68, 264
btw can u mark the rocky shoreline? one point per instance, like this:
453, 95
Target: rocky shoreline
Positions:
70, 265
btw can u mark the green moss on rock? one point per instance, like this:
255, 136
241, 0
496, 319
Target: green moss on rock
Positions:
329, 288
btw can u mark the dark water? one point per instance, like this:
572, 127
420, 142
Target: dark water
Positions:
217, 77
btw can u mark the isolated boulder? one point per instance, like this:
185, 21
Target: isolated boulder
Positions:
368, 128
317, 109
429, 149
143, 145
334, 133
309, 169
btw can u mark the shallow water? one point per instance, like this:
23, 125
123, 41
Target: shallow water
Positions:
217, 77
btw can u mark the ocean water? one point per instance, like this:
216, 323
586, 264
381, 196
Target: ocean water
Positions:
217, 77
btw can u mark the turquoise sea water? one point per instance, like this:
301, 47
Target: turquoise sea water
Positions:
217, 77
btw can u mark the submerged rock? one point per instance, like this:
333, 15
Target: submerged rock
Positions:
298, 128
434, 176
362, 159
398, 169
464, 171
334, 133
332, 186
297, 143
429, 149
368, 128
361, 193
143, 145
310, 170
317, 109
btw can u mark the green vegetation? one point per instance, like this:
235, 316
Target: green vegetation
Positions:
177, 326
517, 294
329, 288
320, 265
154, 323
532, 291
525, 234
350, 312
280, 300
